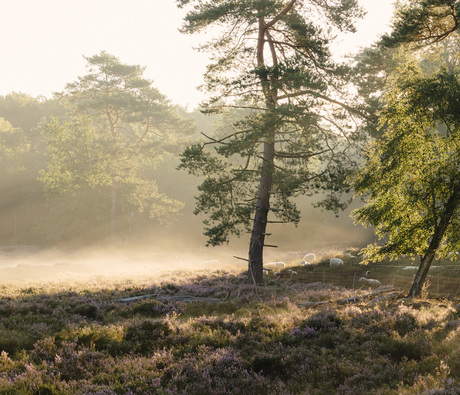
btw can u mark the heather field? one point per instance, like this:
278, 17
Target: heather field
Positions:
206, 331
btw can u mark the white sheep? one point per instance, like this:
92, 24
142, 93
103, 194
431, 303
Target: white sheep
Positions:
410, 268
370, 281
278, 265
309, 257
335, 262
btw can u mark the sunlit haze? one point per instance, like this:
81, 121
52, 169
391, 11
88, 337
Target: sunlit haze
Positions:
44, 43
44, 46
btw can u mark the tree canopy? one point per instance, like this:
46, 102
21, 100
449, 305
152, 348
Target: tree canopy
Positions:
118, 126
271, 58
411, 178
423, 22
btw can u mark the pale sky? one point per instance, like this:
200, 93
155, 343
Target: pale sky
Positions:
44, 42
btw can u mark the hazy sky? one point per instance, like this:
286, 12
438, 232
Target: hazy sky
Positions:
43, 42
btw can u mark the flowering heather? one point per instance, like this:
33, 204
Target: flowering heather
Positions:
213, 333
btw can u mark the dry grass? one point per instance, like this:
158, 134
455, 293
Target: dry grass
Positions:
73, 335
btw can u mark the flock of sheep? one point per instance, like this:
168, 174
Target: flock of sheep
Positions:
333, 262
308, 259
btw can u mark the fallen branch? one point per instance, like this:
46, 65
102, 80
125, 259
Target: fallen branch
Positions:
141, 297
313, 304
177, 298
355, 299
385, 297
134, 298
376, 296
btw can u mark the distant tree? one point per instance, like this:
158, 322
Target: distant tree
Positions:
411, 178
272, 59
21, 196
118, 128
26, 112
13, 142
372, 66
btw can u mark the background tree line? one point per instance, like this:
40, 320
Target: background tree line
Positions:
84, 166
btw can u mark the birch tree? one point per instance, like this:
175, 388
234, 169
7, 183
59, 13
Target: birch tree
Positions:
411, 178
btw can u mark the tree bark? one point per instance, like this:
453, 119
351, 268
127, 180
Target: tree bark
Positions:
438, 234
256, 246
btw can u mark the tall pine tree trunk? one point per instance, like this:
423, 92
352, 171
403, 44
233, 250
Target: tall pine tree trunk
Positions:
256, 246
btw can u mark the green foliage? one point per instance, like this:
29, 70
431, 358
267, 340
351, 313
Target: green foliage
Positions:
13, 144
424, 22
25, 112
21, 158
283, 131
104, 153
76, 159
372, 67
411, 173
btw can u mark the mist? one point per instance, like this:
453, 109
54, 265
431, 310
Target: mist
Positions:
160, 249
65, 232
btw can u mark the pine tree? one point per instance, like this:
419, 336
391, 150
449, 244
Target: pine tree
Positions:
271, 58
117, 127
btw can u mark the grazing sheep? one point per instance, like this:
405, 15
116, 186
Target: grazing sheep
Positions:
335, 262
410, 268
307, 259
370, 281
278, 265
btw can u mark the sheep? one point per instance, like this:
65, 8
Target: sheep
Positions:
370, 281
335, 262
307, 259
278, 265
410, 268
